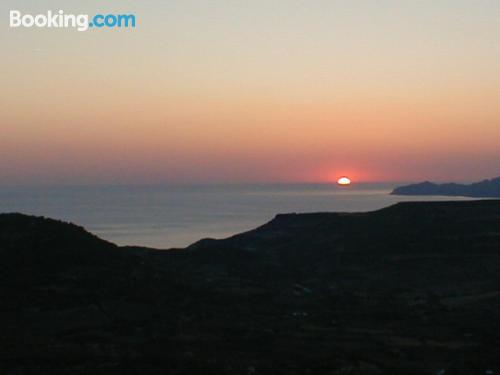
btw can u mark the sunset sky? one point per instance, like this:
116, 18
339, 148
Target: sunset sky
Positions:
253, 91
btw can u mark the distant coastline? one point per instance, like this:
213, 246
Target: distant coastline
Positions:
482, 189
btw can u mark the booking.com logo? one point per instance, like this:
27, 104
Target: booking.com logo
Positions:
81, 22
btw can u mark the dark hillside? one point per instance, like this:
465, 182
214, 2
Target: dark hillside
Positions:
410, 289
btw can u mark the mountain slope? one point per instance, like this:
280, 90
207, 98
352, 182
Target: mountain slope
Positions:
410, 289
483, 189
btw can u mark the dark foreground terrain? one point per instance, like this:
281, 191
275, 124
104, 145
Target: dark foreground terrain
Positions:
410, 289
482, 189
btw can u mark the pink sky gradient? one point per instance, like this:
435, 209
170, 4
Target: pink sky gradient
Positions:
255, 92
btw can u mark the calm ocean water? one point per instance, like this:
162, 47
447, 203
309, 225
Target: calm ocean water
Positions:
169, 216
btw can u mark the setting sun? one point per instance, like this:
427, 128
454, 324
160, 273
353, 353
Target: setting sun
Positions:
344, 181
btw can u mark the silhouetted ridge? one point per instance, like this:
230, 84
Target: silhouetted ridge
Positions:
40, 231
483, 189
47, 242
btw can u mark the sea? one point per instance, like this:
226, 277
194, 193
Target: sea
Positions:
164, 216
